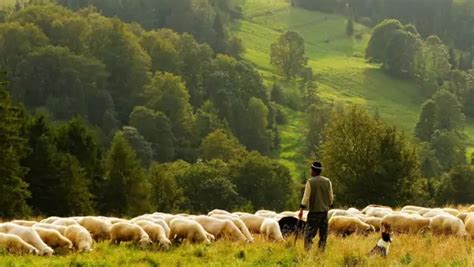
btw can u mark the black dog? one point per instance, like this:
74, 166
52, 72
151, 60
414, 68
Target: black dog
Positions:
382, 246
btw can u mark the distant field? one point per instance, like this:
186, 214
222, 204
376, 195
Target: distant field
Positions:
337, 60
352, 251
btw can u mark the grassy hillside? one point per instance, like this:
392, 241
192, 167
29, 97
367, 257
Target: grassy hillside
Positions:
405, 251
337, 60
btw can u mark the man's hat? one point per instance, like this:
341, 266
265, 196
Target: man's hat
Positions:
317, 166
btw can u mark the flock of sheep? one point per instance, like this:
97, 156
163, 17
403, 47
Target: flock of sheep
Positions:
78, 233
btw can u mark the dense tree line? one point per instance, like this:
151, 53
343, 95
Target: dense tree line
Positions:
115, 74
208, 21
60, 169
452, 20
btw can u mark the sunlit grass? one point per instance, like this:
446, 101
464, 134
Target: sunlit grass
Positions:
405, 251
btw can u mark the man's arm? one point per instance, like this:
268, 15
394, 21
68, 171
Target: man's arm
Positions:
305, 200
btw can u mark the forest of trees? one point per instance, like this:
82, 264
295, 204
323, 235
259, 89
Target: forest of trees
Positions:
121, 108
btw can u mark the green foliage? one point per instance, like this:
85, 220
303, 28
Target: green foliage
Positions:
221, 145
256, 136
206, 186
265, 183
433, 66
77, 139
395, 46
11, 35
288, 54
156, 129
318, 116
126, 189
40, 80
456, 186
360, 150
167, 93
426, 125
166, 195
142, 148
14, 191
449, 149
350, 27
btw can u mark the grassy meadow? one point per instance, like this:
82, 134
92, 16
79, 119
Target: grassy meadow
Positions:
341, 72
352, 251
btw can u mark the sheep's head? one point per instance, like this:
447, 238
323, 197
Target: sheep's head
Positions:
145, 241
165, 244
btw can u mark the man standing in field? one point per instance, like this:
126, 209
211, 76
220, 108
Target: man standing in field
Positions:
318, 198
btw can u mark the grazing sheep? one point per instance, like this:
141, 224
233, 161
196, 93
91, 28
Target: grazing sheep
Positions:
462, 216
471, 208
253, 222
24, 223
191, 231
379, 212
220, 228
451, 211
61, 229
344, 225
435, 212
218, 212
371, 207
14, 244
98, 228
80, 237
53, 238
411, 208
156, 233
448, 225
266, 213
50, 219
65, 222
403, 223
469, 223
353, 211
270, 229
29, 235
374, 221
125, 232
239, 223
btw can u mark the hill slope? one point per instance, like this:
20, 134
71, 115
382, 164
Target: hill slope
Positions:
337, 60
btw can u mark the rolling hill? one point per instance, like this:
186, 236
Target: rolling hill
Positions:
337, 60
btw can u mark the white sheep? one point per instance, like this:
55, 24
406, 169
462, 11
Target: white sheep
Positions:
126, 232
65, 222
24, 223
220, 228
404, 223
80, 237
469, 223
270, 229
240, 224
448, 225
14, 244
218, 212
156, 233
344, 225
253, 222
189, 230
98, 228
53, 238
29, 235
61, 229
